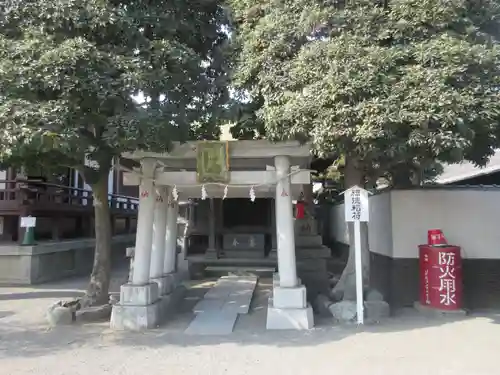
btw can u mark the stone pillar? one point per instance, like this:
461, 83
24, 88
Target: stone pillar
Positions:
172, 290
211, 251
144, 236
169, 265
159, 233
285, 224
138, 307
274, 242
182, 262
288, 308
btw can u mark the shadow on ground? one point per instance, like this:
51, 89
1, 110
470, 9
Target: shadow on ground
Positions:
40, 295
31, 339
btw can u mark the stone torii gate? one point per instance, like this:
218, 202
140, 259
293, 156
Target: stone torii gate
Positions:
277, 170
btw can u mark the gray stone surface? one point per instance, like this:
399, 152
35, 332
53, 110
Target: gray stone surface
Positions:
207, 305
374, 295
244, 241
166, 283
58, 315
289, 319
294, 298
169, 303
343, 311
218, 310
308, 241
139, 295
375, 311
53, 260
135, 318
433, 312
93, 314
306, 227
214, 322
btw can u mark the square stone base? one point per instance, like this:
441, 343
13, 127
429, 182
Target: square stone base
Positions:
170, 302
276, 280
166, 283
296, 319
290, 298
211, 253
135, 318
139, 295
433, 312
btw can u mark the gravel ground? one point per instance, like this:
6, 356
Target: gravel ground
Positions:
407, 344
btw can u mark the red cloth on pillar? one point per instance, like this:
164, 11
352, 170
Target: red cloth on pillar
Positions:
300, 210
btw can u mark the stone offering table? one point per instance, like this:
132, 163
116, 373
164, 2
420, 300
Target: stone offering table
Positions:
244, 245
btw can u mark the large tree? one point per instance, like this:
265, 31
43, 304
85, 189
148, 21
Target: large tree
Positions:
69, 73
383, 84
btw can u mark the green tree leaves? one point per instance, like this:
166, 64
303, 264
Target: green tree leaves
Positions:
69, 73
383, 82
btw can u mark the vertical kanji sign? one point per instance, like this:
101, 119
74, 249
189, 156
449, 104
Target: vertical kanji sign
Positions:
356, 205
357, 211
447, 282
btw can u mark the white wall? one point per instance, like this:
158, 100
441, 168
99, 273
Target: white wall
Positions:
399, 221
379, 227
338, 230
467, 217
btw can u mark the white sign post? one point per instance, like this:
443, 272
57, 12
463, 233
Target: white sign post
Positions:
357, 210
28, 222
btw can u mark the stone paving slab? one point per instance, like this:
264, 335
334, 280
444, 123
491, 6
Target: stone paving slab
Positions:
218, 310
240, 305
206, 305
214, 322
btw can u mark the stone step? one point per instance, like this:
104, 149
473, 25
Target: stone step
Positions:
308, 241
306, 227
313, 252
242, 253
307, 252
219, 271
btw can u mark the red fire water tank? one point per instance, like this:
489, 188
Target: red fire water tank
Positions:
440, 277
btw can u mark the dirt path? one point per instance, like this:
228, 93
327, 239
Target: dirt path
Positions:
407, 344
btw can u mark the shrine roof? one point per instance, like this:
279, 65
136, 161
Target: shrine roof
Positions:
249, 149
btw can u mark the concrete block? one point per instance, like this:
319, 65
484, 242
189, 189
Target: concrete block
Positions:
211, 254
374, 295
433, 312
290, 298
375, 311
166, 283
344, 311
139, 295
170, 302
308, 241
135, 318
213, 323
276, 280
293, 319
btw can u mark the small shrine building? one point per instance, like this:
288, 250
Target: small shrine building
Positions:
242, 193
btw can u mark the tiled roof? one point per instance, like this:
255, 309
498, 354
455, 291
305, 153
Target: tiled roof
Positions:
466, 170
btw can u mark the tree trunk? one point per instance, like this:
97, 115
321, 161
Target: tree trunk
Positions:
346, 286
98, 288
402, 176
